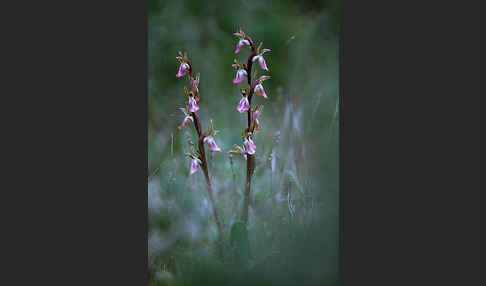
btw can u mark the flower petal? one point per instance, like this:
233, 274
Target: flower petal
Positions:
249, 146
240, 44
243, 105
194, 166
212, 144
186, 120
262, 63
260, 91
240, 76
193, 107
183, 68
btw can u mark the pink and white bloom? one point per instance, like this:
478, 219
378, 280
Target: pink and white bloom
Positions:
194, 165
260, 91
240, 76
261, 61
183, 68
212, 144
193, 105
194, 85
186, 120
243, 105
194, 81
249, 146
240, 44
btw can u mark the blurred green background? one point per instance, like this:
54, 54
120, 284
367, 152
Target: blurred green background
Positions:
293, 223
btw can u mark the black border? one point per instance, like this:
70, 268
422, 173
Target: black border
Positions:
80, 144
76, 222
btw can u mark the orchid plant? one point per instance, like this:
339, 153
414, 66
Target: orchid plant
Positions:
254, 86
198, 154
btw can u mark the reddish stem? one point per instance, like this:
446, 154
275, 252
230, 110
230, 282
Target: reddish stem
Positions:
204, 165
250, 162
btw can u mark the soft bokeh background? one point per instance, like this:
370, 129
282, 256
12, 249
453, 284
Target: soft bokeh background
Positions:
293, 224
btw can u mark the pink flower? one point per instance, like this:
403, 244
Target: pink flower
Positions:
243, 105
183, 68
187, 119
240, 44
260, 91
195, 81
261, 61
249, 146
194, 85
240, 76
255, 115
194, 165
193, 105
212, 143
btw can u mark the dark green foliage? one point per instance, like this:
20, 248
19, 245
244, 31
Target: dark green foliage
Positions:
240, 244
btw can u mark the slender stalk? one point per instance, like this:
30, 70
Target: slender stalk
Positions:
250, 162
204, 164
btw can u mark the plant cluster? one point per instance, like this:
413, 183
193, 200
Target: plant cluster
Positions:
252, 85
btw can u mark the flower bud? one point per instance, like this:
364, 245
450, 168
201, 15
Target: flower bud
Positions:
256, 124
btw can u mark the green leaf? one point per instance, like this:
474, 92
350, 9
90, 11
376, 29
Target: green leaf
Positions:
259, 47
